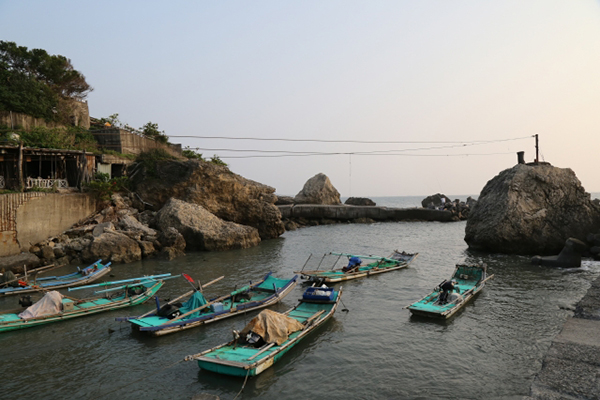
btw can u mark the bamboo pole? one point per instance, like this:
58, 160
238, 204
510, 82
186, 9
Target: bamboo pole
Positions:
262, 351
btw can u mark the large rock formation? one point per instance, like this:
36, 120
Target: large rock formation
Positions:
531, 209
318, 190
202, 230
227, 195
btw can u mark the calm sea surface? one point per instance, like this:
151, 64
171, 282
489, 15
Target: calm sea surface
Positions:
492, 349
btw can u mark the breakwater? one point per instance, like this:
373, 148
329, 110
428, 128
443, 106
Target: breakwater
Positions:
343, 213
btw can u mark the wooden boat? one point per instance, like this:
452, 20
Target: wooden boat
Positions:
241, 357
57, 307
32, 283
397, 260
197, 311
470, 280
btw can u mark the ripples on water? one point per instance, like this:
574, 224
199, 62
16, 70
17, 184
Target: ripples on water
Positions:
492, 348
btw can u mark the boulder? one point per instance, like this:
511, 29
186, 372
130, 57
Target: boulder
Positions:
284, 200
318, 190
113, 246
170, 237
359, 201
130, 223
531, 209
203, 230
16, 262
226, 195
569, 257
435, 201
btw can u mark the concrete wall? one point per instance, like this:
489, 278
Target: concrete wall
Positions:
78, 111
28, 218
125, 142
346, 213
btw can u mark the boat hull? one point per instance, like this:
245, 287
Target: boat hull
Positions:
244, 365
9, 322
335, 276
157, 326
71, 280
470, 278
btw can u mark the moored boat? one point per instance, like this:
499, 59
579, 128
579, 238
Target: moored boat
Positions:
198, 310
55, 307
451, 295
355, 268
33, 283
270, 335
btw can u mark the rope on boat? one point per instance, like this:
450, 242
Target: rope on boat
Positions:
139, 380
243, 386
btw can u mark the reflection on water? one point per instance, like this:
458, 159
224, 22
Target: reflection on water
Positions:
493, 348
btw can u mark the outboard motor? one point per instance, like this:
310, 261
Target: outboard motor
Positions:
25, 301
169, 311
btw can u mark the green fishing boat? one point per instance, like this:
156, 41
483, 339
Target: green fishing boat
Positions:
55, 307
197, 310
355, 268
31, 282
451, 295
270, 335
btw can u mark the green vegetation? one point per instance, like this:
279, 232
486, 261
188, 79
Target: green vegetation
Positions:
191, 154
217, 160
72, 138
150, 158
36, 83
104, 187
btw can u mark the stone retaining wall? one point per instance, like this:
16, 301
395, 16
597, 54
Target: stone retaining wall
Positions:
346, 213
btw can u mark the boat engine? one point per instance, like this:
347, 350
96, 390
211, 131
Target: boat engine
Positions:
25, 301
169, 311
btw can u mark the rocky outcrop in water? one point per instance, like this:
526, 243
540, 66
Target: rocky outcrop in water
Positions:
460, 210
569, 257
531, 209
318, 190
359, 201
228, 196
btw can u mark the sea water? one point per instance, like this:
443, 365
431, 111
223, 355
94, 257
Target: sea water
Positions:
491, 349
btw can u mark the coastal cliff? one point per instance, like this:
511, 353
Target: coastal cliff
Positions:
223, 193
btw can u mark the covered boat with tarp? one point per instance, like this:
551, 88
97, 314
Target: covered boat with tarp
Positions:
55, 307
358, 268
31, 281
197, 310
451, 295
270, 335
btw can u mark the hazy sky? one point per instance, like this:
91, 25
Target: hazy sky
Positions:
388, 71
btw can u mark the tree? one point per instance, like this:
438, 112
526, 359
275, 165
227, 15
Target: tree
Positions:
36, 83
151, 130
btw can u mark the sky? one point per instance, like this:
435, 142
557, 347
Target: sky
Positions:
450, 90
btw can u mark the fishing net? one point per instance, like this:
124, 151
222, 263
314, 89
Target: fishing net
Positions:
272, 326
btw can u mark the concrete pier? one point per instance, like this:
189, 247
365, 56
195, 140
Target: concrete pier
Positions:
571, 368
349, 213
